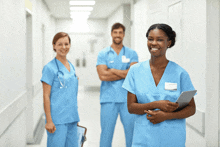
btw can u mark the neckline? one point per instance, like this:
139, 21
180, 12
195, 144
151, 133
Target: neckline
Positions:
122, 49
152, 78
64, 65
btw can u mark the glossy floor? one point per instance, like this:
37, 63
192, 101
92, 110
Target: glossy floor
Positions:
89, 111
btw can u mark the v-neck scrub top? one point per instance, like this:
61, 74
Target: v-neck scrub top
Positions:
140, 81
112, 91
63, 101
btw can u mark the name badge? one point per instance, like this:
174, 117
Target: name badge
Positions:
125, 60
170, 86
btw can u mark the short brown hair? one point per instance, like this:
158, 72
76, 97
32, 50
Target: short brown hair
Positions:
58, 36
117, 26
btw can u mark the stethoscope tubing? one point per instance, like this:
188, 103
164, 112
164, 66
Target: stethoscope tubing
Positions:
123, 48
62, 84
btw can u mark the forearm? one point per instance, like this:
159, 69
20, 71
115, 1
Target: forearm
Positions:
120, 73
137, 108
110, 78
108, 75
184, 113
47, 108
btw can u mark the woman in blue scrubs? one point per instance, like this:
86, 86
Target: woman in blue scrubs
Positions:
60, 87
153, 87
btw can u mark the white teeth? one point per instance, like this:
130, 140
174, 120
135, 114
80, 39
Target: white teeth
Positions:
154, 49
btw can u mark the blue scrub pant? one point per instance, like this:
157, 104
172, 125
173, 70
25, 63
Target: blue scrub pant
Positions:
64, 136
109, 114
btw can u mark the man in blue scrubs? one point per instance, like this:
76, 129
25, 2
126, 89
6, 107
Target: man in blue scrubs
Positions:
113, 64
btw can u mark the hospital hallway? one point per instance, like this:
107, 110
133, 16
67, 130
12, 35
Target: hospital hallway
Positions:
89, 112
27, 29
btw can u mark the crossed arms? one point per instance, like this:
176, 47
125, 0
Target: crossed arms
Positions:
106, 74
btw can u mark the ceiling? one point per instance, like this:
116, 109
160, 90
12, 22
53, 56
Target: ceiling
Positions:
101, 10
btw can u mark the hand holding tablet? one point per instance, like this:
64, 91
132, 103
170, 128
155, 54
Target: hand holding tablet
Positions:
184, 98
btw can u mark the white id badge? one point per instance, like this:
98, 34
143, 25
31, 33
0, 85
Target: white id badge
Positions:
170, 86
125, 60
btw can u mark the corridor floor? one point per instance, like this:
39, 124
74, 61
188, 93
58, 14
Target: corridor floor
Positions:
89, 112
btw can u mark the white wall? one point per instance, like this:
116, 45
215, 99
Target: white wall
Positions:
13, 72
42, 52
116, 16
12, 49
127, 24
139, 29
16, 128
212, 129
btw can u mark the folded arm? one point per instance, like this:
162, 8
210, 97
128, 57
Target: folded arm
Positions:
106, 74
159, 116
188, 111
122, 73
136, 108
167, 109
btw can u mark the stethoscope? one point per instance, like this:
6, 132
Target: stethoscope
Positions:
62, 84
123, 55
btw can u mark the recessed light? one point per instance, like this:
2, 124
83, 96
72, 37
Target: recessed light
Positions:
80, 13
81, 8
82, 2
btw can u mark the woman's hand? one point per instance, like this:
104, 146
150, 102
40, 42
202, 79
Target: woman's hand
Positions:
50, 127
156, 116
167, 106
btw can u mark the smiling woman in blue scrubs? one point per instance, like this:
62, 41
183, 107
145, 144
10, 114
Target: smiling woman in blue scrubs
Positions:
153, 87
60, 87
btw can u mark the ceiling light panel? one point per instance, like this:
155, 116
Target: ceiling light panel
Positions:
81, 8
82, 3
80, 13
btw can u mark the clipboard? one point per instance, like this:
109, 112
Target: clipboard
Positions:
81, 133
184, 98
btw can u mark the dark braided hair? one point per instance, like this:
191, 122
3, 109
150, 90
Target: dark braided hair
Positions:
167, 29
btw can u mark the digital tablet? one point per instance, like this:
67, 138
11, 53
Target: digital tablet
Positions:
184, 98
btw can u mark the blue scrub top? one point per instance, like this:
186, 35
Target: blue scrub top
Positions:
140, 82
63, 101
112, 91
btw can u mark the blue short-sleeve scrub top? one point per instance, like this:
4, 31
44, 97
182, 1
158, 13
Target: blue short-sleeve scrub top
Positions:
140, 81
63, 100
112, 91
